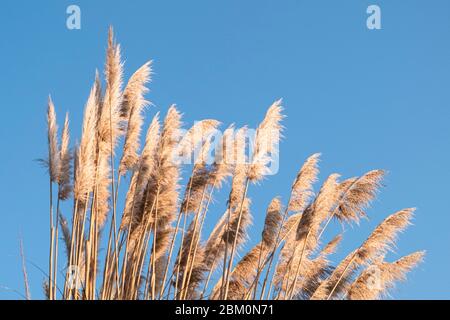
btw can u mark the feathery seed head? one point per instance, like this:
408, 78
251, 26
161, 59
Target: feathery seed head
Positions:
302, 188
132, 106
52, 132
266, 142
65, 158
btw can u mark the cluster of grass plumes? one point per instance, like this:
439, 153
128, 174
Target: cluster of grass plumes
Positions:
155, 247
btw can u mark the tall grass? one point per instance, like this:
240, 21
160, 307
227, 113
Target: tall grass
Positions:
156, 247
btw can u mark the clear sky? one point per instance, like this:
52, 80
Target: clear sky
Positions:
364, 98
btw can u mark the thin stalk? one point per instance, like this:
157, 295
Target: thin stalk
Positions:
256, 280
170, 254
113, 192
275, 247
72, 243
150, 264
55, 267
286, 274
183, 283
269, 292
184, 227
342, 275
78, 231
90, 248
140, 266
108, 252
233, 248
143, 252
155, 223
96, 234
24, 271
50, 266
168, 294
263, 289
88, 265
147, 282
81, 234
335, 210
215, 255
298, 267
124, 263
168, 282
138, 248
225, 254
326, 224
179, 257
209, 277
197, 240
111, 159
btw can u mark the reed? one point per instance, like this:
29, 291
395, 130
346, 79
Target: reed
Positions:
156, 247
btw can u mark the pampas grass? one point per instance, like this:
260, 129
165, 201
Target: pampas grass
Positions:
382, 275
156, 247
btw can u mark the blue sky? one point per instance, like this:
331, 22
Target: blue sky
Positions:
364, 99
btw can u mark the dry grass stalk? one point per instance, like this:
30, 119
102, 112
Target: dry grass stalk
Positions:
301, 191
379, 242
151, 218
266, 139
373, 283
132, 106
53, 163
24, 271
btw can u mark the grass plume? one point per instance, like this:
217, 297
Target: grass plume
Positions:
160, 249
